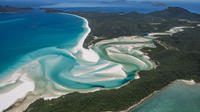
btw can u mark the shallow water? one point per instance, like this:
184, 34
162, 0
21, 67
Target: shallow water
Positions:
43, 42
179, 97
43, 52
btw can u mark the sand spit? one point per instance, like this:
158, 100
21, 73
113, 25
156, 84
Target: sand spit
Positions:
170, 32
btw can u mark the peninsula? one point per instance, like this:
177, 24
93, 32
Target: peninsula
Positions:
176, 56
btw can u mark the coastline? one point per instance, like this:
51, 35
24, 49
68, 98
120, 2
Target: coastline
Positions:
170, 32
94, 60
79, 46
189, 82
12, 95
84, 54
27, 90
87, 55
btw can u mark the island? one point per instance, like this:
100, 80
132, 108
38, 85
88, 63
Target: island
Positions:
11, 9
176, 57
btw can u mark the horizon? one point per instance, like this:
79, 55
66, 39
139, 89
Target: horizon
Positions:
143, 6
93, 3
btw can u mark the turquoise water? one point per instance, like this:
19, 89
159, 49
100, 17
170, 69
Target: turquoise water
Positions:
179, 97
23, 33
42, 53
41, 45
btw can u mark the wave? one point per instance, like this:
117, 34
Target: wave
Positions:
11, 20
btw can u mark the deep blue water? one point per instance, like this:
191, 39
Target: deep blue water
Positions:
139, 7
22, 33
116, 9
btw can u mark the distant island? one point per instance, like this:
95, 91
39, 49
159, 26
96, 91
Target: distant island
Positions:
176, 57
10, 9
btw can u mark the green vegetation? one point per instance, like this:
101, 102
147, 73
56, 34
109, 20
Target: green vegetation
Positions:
113, 25
183, 63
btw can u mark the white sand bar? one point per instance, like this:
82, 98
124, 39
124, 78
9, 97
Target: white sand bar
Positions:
20, 91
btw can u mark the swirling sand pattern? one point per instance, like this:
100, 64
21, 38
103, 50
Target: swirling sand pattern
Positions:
54, 71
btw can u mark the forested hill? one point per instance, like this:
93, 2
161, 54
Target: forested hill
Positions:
113, 25
176, 13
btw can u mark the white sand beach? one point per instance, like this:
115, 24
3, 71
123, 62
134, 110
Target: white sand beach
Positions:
18, 92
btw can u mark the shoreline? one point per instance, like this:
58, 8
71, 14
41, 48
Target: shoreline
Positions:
77, 49
87, 55
168, 83
24, 94
17, 92
189, 82
91, 54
